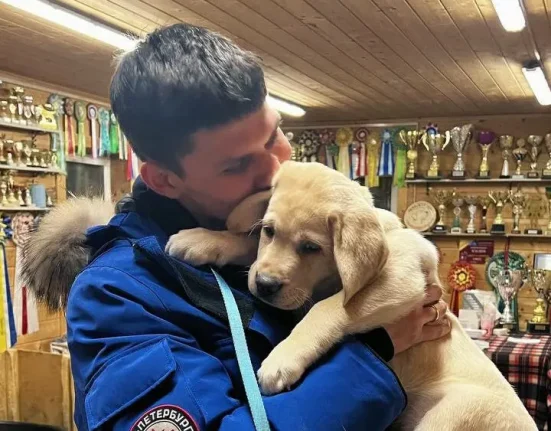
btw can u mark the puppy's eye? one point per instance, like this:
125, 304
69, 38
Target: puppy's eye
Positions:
269, 231
309, 247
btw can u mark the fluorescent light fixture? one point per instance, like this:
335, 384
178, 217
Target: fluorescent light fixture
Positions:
510, 14
66, 18
285, 107
536, 78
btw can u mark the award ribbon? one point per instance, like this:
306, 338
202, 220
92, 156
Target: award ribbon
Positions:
461, 277
69, 108
8, 333
80, 115
386, 162
122, 145
361, 135
309, 144
113, 135
93, 117
105, 144
372, 162
401, 164
343, 139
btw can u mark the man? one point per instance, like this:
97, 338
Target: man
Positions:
149, 339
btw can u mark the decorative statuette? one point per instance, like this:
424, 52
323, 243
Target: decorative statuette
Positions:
505, 143
435, 143
460, 137
535, 148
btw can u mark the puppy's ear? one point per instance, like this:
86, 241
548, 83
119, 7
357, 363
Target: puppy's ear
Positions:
359, 247
247, 214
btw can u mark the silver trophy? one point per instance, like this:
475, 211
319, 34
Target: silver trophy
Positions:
505, 143
509, 281
535, 148
472, 202
460, 137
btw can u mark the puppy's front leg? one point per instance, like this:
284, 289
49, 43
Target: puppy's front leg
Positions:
310, 339
202, 246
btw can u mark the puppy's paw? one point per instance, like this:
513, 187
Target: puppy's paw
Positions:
197, 246
279, 371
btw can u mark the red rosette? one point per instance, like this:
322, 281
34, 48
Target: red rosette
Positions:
461, 277
361, 134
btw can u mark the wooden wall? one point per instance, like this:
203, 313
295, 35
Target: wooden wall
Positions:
518, 126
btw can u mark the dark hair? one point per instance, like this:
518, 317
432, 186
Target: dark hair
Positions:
179, 80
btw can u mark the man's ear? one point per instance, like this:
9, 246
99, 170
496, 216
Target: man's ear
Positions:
161, 180
359, 248
246, 215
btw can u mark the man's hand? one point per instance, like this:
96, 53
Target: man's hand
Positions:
425, 323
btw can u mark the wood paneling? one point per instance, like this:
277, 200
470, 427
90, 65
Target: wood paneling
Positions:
344, 60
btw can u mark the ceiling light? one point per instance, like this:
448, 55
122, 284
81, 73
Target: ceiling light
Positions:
285, 107
536, 78
510, 14
66, 18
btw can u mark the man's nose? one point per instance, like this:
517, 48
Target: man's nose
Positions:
267, 168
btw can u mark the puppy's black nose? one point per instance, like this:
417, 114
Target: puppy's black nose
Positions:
266, 285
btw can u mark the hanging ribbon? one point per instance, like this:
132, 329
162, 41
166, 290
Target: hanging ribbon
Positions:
354, 159
343, 139
309, 144
361, 162
113, 135
401, 162
58, 146
25, 308
122, 147
386, 162
105, 144
93, 117
80, 115
8, 332
372, 162
69, 107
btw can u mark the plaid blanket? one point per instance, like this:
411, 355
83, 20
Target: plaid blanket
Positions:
528, 368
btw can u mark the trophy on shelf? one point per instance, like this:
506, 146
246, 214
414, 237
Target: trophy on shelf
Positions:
460, 137
485, 141
541, 282
535, 209
499, 199
3, 190
18, 150
546, 173
535, 148
485, 202
411, 139
509, 281
519, 154
435, 143
442, 199
457, 202
472, 202
2, 146
518, 199
4, 111
548, 195
505, 143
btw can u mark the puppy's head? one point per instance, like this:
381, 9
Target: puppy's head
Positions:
320, 233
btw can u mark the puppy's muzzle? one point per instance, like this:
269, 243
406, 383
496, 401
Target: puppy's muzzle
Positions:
266, 285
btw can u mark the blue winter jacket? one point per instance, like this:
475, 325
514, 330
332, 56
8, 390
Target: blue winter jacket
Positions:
151, 348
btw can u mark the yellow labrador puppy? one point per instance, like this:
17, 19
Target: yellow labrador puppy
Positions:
321, 230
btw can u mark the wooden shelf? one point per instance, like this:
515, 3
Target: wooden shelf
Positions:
479, 181
24, 168
485, 235
30, 209
27, 127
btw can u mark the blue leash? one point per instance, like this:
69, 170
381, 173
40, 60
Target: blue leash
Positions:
243, 359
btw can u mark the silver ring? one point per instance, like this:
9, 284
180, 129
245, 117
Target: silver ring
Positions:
437, 313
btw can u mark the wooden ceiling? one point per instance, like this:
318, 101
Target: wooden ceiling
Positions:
343, 60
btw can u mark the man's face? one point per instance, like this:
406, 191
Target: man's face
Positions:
231, 162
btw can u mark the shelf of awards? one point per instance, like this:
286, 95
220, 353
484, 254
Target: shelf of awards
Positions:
32, 128
20, 208
485, 235
479, 180
34, 169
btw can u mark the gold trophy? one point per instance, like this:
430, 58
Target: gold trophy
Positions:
518, 199
457, 202
485, 202
485, 141
535, 148
541, 282
499, 199
472, 202
460, 137
411, 139
535, 210
548, 194
546, 173
435, 143
519, 154
442, 198
505, 143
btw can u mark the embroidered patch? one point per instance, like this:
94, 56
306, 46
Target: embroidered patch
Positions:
165, 418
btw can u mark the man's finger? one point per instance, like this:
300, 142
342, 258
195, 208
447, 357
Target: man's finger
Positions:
434, 313
433, 332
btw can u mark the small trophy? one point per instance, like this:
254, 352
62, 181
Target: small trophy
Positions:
4, 111
457, 202
28, 197
518, 199
12, 108
3, 190
471, 201
435, 143
505, 143
535, 210
535, 148
541, 282
519, 154
2, 144
27, 109
460, 137
546, 173
442, 199
548, 194
485, 141
18, 149
485, 202
27, 152
509, 281
411, 139
499, 199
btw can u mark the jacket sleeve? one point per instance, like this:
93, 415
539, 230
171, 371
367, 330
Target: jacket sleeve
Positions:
134, 368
